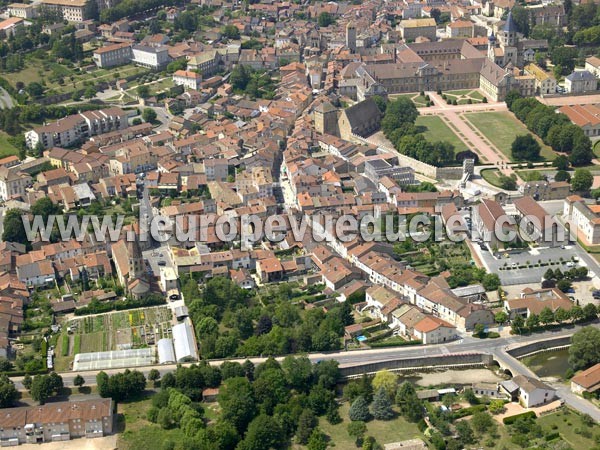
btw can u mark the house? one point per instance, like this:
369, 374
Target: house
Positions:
113, 55
534, 301
460, 29
592, 65
13, 182
432, 330
528, 391
151, 57
413, 28
71, 10
544, 190
190, 80
586, 381
491, 223
60, 421
10, 26
23, 10
545, 83
537, 224
585, 116
581, 81
269, 270
583, 219
381, 301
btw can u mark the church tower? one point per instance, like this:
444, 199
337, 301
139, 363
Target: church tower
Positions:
136, 260
351, 36
508, 41
491, 50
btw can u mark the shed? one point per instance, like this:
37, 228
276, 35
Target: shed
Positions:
184, 341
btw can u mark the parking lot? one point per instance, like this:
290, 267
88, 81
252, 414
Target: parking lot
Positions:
529, 265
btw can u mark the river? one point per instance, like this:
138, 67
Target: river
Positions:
549, 364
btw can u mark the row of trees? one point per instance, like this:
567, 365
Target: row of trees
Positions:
520, 325
42, 387
398, 125
554, 129
121, 386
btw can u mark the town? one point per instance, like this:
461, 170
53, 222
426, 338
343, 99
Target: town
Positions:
300, 225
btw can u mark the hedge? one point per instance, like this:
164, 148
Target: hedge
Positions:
65, 345
21, 373
395, 343
512, 419
552, 436
469, 411
77, 344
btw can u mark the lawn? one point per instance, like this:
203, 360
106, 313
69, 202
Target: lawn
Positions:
531, 175
384, 432
6, 148
501, 128
462, 96
492, 176
437, 130
568, 423
417, 98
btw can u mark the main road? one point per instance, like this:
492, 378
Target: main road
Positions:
360, 357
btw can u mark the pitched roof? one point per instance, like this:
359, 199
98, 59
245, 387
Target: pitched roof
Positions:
589, 379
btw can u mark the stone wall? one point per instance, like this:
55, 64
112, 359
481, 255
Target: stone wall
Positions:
535, 347
409, 364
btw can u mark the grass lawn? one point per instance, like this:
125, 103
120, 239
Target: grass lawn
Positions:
530, 175
6, 148
567, 422
394, 430
596, 149
492, 176
437, 130
416, 98
501, 128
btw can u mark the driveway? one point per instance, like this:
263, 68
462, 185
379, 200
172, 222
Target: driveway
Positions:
6, 100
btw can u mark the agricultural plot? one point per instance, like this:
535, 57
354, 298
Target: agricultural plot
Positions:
119, 330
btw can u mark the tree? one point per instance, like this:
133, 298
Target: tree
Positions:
585, 348
507, 183
546, 316
564, 285
582, 153
582, 180
153, 375
263, 433
501, 317
589, 311
27, 381
317, 441
381, 102
496, 406
562, 175
357, 430
325, 19
149, 115
143, 91
35, 89
532, 322
490, 281
359, 410
238, 406
44, 208
78, 381
561, 315
576, 313
8, 393
386, 380
561, 162
398, 112
382, 406
517, 324
479, 330
410, 405
90, 92
465, 432
230, 32
42, 387
482, 421
355, 388
298, 372
306, 423
525, 148
13, 229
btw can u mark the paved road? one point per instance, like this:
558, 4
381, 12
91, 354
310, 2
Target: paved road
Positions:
360, 357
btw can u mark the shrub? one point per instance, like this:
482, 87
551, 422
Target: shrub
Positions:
510, 420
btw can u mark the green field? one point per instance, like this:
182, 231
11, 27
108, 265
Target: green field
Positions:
417, 98
437, 130
394, 430
6, 148
501, 128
